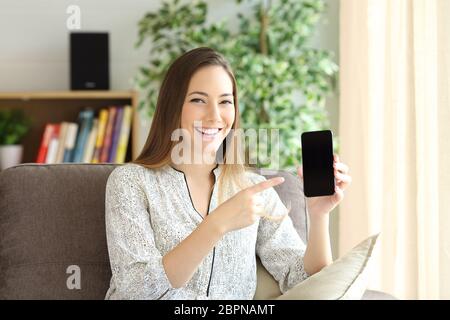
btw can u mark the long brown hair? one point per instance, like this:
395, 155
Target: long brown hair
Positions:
167, 117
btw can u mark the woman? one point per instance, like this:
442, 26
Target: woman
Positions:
184, 229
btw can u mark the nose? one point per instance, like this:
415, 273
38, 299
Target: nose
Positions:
214, 112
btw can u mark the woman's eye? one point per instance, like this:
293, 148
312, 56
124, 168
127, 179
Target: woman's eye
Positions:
198, 100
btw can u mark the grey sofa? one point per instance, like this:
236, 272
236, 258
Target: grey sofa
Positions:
52, 218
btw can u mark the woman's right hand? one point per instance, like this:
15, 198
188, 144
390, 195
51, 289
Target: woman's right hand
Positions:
242, 209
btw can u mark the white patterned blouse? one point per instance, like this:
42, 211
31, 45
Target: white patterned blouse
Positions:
150, 211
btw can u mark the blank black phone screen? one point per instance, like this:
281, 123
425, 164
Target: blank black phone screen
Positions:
318, 171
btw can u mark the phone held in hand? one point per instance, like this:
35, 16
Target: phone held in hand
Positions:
318, 171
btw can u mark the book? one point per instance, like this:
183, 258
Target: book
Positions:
53, 145
70, 142
124, 135
86, 118
45, 141
90, 144
62, 142
80, 124
108, 134
102, 120
116, 135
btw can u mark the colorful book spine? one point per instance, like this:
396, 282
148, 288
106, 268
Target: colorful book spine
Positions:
62, 142
70, 142
53, 145
42, 153
108, 134
102, 121
124, 135
80, 121
116, 135
86, 125
90, 145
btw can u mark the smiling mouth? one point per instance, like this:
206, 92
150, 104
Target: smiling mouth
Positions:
208, 132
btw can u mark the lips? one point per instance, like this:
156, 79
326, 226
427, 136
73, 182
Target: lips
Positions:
208, 131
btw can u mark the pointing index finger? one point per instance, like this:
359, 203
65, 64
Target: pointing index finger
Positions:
265, 185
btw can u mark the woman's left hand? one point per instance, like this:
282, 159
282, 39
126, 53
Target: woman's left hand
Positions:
321, 206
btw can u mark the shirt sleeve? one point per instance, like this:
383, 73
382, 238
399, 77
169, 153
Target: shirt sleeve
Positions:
136, 263
278, 245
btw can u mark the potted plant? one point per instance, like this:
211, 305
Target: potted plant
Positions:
283, 80
13, 127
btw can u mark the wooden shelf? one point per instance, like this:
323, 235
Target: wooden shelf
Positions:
80, 94
57, 106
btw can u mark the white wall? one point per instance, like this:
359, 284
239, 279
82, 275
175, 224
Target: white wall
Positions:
34, 41
34, 45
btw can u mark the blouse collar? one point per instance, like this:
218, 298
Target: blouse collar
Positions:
180, 174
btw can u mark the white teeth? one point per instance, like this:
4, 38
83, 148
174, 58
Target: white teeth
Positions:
208, 131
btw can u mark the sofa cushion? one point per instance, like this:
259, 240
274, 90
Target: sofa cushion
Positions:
52, 217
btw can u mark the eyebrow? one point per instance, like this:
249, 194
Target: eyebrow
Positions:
206, 95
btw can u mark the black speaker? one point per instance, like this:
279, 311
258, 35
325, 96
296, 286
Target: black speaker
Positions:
89, 61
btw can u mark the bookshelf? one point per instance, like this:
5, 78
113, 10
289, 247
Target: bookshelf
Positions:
58, 106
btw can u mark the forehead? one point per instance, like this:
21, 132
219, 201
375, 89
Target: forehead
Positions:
211, 79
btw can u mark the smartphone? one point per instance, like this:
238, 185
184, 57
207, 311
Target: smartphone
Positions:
318, 171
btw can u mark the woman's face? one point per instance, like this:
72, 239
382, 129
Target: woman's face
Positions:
208, 109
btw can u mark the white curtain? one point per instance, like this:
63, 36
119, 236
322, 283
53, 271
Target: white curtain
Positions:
395, 132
